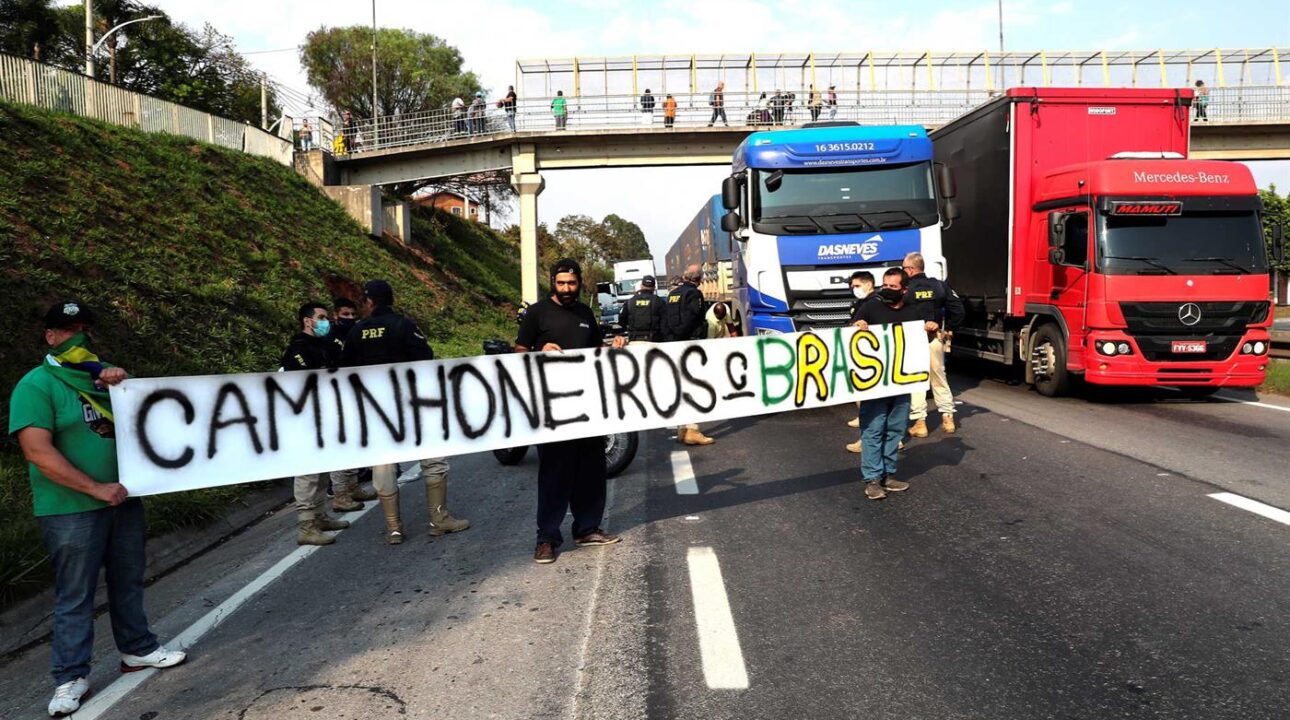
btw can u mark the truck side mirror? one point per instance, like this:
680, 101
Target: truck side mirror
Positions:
730, 222
730, 193
1057, 256
1056, 229
945, 181
604, 288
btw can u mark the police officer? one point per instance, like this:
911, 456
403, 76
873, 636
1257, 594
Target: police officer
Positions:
642, 316
946, 310
683, 320
571, 473
312, 348
385, 336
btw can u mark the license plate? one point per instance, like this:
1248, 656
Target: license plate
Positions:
1190, 346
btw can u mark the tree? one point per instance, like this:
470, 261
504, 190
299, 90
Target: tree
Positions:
415, 72
35, 29
626, 239
1276, 212
491, 191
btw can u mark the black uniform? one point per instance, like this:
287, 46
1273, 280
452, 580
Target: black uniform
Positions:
307, 352
944, 307
571, 473
683, 319
340, 331
642, 317
385, 337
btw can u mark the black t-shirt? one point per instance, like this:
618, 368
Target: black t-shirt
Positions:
571, 327
876, 312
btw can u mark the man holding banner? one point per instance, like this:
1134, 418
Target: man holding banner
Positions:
385, 336
61, 415
571, 473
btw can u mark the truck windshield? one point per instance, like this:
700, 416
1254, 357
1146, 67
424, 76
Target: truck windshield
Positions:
627, 287
1194, 243
843, 201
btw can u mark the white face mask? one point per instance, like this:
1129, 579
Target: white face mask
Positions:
860, 293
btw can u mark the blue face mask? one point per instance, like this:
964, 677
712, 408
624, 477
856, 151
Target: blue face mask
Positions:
322, 328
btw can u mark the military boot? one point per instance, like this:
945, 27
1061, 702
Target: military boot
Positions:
918, 429
311, 534
441, 521
342, 501
327, 522
947, 423
694, 437
359, 493
393, 525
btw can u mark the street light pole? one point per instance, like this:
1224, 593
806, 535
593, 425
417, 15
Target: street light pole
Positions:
373, 71
1001, 75
89, 38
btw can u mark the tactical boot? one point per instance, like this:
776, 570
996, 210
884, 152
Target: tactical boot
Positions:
918, 429
441, 521
358, 493
342, 501
311, 534
854, 447
694, 437
327, 522
393, 525
947, 424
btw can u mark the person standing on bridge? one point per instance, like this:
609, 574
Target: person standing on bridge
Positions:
883, 420
61, 415
816, 104
477, 109
647, 108
508, 105
945, 308
458, 116
642, 315
571, 473
1202, 101
385, 336
832, 101
683, 321
560, 110
718, 102
312, 348
669, 111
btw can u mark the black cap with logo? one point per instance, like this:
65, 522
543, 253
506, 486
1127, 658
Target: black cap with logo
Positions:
67, 313
648, 282
379, 292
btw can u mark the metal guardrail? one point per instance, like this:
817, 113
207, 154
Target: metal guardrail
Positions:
1236, 105
1280, 344
53, 88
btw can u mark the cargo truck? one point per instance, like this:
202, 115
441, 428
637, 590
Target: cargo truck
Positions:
1090, 246
705, 244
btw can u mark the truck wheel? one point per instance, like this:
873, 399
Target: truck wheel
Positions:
620, 448
511, 456
1048, 358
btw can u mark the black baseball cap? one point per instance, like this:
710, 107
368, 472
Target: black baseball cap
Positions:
67, 313
379, 292
648, 282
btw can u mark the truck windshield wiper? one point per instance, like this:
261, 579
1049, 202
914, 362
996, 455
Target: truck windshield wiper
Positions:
893, 223
1226, 261
1153, 262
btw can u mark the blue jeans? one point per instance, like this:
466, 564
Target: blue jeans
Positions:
883, 423
79, 544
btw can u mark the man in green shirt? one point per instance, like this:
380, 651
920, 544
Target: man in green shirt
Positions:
560, 109
61, 415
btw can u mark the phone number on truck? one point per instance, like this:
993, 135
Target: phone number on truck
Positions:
845, 147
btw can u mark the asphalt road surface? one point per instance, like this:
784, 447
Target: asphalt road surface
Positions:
1054, 559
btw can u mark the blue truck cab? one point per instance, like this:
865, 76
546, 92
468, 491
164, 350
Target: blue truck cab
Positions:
809, 206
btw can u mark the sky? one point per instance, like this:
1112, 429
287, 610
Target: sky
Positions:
492, 34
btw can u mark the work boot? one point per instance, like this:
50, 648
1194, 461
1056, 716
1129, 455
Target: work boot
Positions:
919, 428
854, 447
947, 423
342, 502
311, 534
358, 493
393, 525
694, 437
441, 521
874, 491
853, 422
327, 522
894, 485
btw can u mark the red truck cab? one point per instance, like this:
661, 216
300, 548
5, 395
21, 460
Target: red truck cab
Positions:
1086, 244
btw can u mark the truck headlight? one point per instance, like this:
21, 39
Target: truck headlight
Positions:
1123, 348
1106, 348
1260, 347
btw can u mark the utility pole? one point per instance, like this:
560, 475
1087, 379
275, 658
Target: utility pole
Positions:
373, 72
264, 101
89, 38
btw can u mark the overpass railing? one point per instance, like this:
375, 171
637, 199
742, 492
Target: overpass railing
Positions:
53, 88
1236, 105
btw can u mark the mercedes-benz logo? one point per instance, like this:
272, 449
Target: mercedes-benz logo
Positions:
1189, 314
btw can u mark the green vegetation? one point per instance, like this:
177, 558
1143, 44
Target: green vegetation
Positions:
196, 258
1278, 380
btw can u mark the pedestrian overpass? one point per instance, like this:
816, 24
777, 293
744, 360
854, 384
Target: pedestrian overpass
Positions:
615, 110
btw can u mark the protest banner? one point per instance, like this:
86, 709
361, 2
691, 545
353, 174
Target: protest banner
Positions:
184, 433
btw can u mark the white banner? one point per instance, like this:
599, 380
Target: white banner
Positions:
183, 433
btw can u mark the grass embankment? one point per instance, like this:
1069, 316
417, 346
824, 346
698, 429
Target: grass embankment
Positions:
1278, 380
196, 259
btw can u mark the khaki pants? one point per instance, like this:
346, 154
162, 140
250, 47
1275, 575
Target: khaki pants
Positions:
311, 495
940, 386
433, 470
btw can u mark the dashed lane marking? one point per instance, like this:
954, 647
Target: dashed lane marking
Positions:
683, 474
723, 661
1254, 506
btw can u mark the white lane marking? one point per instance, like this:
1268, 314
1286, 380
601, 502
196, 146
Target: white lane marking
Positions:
683, 474
103, 701
723, 661
1254, 506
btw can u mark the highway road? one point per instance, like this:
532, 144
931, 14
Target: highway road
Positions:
1123, 556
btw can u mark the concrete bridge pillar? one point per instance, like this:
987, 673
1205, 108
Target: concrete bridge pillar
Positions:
528, 184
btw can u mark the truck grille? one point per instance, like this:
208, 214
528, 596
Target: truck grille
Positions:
820, 312
1227, 318
1218, 347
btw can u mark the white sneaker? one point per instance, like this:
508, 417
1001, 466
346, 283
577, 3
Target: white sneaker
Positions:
159, 658
67, 697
